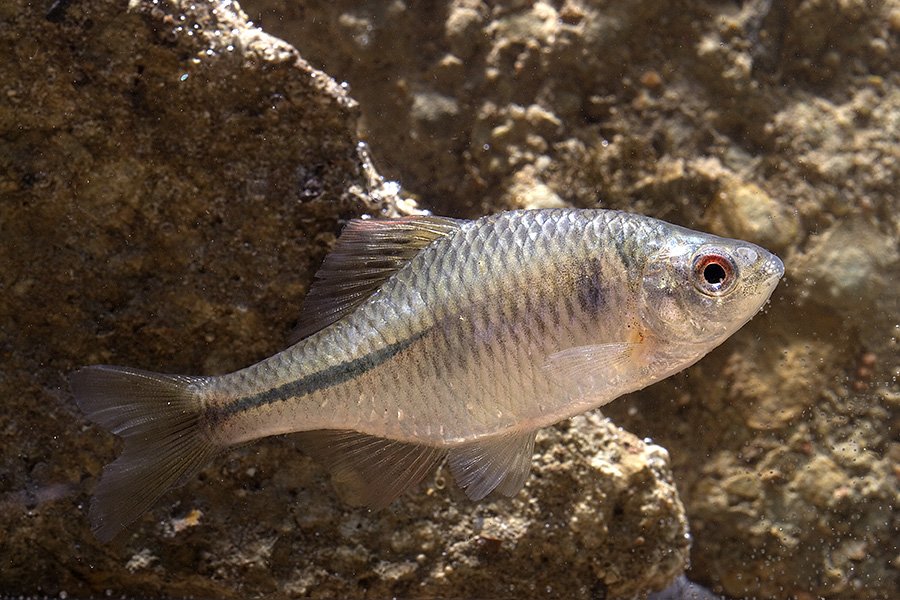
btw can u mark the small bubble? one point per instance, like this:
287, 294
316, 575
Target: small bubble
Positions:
184, 77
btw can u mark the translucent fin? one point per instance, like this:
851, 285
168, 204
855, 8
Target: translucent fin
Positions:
581, 361
601, 362
367, 470
365, 256
500, 463
159, 418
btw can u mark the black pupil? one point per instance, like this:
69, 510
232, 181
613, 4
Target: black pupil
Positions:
714, 273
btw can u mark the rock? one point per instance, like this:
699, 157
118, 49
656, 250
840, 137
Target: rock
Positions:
464, 27
436, 109
774, 391
745, 211
599, 513
530, 193
852, 265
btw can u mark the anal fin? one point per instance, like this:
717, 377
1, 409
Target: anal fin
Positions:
500, 463
368, 470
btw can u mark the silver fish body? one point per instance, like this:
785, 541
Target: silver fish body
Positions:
425, 338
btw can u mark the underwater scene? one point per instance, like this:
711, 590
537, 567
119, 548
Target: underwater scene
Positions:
463, 299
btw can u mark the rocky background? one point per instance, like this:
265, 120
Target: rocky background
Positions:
171, 176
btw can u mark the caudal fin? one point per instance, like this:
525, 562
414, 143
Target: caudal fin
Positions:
159, 417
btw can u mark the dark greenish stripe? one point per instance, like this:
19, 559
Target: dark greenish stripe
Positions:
320, 380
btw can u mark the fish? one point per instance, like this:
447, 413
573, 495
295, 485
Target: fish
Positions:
426, 339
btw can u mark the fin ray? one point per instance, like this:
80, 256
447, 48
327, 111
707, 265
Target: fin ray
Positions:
159, 418
368, 470
595, 371
367, 253
599, 359
500, 463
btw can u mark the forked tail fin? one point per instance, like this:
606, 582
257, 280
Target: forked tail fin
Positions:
159, 417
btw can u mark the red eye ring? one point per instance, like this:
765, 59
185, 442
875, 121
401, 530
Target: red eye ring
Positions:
714, 273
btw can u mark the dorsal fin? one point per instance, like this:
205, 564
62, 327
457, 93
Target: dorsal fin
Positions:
368, 252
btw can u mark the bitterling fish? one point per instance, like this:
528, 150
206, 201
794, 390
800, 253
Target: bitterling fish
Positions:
429, 338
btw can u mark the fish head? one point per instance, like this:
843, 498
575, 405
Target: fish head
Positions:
699, 289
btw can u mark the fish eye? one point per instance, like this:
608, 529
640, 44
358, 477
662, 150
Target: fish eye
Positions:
714, 273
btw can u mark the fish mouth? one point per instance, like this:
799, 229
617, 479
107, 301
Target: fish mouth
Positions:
768, 275
773, 270
776, 266
765, 269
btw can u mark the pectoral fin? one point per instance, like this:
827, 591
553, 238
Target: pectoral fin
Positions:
593, 370
501, 463
367, 470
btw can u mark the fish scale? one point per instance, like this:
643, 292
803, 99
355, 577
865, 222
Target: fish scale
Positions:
427, 338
